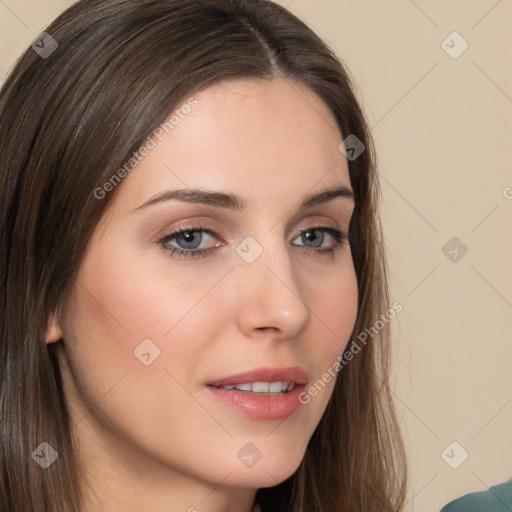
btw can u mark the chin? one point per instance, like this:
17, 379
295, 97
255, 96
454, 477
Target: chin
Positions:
259, 480
270, 472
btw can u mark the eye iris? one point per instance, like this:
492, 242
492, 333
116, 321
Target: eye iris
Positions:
190, 239
311, 236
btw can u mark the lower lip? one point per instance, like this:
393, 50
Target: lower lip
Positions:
259, 406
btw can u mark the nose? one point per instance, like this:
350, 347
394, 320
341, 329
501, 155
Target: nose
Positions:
270, 297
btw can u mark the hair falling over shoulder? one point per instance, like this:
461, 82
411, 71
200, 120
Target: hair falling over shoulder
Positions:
136, 60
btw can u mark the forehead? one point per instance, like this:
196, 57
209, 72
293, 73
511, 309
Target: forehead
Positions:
244, 135
276, 112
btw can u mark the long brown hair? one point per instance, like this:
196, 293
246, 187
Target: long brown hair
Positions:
68, 122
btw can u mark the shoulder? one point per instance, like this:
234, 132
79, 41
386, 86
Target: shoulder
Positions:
497, 498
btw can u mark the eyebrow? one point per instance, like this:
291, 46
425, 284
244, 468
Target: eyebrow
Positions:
235, 202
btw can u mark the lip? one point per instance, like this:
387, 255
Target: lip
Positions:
260, 406
291, 374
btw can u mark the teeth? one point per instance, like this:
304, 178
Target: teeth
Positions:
244, 387
262, 387
275, 387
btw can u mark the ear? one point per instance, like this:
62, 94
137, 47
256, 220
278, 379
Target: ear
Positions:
53, 331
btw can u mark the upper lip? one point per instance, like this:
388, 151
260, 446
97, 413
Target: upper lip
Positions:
291, 374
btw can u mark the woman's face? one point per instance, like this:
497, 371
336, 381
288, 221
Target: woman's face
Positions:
258, 286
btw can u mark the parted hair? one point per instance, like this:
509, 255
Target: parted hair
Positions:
120, 68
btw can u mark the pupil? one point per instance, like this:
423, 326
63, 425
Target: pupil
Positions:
312, 237
190, 239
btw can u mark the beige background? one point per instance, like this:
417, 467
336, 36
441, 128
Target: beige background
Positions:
442, 128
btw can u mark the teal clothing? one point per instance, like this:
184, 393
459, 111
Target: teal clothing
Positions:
497, 498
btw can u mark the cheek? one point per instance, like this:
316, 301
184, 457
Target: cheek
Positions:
126, 305
128, 296
118, 302
334, 306
334, 303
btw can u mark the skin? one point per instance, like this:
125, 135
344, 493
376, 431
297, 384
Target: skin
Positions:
151, 437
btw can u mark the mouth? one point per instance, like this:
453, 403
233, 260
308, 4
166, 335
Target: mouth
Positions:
270, 388
263, 394
264, 380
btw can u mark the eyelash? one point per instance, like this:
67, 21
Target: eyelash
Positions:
340, 238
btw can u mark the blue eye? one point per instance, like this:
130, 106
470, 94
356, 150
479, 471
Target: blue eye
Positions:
311, 235
188, 240
185, 242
